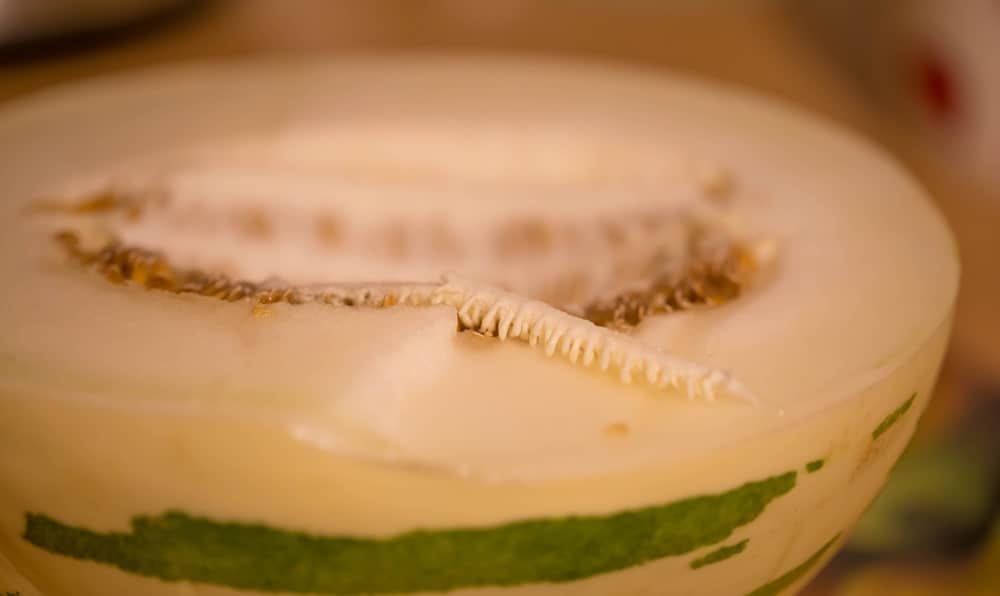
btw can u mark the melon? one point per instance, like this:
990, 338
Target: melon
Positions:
449, 324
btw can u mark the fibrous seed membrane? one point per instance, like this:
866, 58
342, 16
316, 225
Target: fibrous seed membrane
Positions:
661, 261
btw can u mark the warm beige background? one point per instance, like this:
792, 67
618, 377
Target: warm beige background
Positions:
750, 43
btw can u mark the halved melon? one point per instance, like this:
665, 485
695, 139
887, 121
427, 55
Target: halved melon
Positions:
449, 324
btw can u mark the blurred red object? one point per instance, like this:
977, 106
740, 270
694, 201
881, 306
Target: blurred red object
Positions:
929, 65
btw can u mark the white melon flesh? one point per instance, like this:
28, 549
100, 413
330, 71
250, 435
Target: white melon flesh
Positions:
442, 411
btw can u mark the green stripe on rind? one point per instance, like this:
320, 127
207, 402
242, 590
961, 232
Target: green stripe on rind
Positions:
892, 418
773, 588
815, 465
721, 554
176, 546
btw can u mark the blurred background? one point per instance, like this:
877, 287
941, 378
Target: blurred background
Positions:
920, 77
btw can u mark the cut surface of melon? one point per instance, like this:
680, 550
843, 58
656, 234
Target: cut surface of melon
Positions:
508, 290
861, 270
